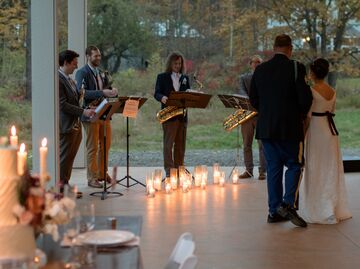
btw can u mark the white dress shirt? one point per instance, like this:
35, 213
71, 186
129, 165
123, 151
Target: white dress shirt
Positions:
175, 79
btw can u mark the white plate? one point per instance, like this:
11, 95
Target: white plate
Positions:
106, 237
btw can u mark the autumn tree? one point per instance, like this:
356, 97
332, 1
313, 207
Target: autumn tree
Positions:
321, 25
115, 27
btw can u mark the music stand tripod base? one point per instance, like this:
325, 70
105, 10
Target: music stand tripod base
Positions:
105, 194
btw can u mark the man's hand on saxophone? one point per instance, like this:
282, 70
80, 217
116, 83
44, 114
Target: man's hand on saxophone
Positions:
164, 99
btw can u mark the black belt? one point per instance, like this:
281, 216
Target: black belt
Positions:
330, 119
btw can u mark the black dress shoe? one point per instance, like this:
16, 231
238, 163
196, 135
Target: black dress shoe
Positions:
274, 218
288, 212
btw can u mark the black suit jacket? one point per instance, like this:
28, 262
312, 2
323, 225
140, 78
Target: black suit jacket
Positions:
164, 86
69, 105
281, 101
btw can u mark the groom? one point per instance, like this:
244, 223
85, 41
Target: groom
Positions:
282, 98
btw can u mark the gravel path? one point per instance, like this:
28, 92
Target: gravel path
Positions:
194, 157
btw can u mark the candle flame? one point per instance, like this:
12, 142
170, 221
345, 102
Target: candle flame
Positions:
13, 130
22, 148
44, 142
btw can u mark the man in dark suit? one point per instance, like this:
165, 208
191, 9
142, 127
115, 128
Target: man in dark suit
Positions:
248, 127
91, 80
70, 111
282, 98
173, 79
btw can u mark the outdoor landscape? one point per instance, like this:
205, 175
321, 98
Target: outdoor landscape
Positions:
216, 38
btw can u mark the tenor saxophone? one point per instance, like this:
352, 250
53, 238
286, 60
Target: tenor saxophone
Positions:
239, 117
168, 113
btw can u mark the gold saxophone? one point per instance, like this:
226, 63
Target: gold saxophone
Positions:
168, 113
238, 117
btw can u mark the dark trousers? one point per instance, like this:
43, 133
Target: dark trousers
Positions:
279, 154
69, 145
174, 144
248, 132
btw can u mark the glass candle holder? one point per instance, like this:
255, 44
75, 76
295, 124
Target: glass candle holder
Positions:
173, 178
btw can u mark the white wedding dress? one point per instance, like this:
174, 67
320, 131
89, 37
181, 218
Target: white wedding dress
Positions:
323, 197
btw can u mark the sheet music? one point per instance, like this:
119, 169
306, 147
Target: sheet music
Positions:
131, 108
100, 106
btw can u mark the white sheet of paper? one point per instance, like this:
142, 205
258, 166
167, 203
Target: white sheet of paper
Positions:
131, 108
100, 106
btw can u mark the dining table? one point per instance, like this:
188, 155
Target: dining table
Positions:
124, 256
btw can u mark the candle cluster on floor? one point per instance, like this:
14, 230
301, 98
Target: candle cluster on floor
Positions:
183, 180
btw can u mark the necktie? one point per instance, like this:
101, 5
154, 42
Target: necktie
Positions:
72, 84
99, 80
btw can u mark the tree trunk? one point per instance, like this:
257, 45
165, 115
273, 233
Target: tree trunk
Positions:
28, 53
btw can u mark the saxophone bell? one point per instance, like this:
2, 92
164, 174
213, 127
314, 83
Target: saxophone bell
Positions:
239, 117
169, 112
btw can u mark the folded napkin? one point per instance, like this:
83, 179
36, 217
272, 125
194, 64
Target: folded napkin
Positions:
135, 242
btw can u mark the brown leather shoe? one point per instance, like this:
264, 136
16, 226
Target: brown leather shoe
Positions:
262, 176
246, 174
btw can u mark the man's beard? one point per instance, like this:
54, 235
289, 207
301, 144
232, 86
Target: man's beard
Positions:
95, 63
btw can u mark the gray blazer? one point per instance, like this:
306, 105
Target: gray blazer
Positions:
84, 76
245, 83
69, 105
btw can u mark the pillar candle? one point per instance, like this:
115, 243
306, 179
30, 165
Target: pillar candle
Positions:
13, 137
21, 160
43, 155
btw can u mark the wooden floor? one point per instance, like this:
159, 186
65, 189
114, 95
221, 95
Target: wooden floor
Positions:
229, 226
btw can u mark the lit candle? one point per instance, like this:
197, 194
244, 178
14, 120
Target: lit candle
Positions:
157, 184
222, 179
235, 176
198, 175
185, 186
21, 156
168, 187
151, 191
216, 176
173, 178
43, 155
13, 137
203, 183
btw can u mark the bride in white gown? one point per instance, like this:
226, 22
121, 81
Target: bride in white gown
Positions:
323, 197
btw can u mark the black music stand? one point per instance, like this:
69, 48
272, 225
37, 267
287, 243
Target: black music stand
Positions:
104, 112
239, 102
189, 99
120, 109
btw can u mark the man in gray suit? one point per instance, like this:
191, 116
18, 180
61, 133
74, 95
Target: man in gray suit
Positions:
95, 87
70, 111
248, 128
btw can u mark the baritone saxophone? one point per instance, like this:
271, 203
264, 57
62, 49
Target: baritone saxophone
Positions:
237, 118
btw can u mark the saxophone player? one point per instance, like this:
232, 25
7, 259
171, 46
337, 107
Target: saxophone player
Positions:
248, 127
174, 139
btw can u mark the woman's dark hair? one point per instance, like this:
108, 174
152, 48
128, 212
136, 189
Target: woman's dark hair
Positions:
320, 68
172, 58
